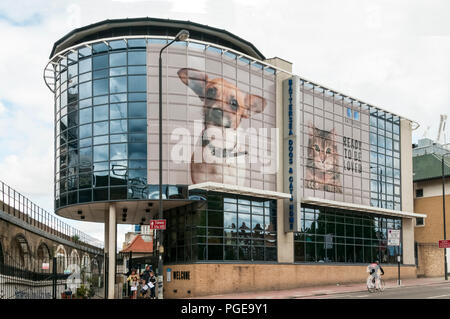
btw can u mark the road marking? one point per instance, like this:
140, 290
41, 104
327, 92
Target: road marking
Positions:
432, 297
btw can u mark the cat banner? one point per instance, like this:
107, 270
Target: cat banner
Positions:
326, 145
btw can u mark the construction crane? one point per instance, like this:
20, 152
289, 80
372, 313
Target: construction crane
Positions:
441, 132
426, 131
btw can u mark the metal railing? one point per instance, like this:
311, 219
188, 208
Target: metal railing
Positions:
17, 205
63, 277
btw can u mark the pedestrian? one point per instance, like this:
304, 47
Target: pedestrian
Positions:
134, 281
146, 273
151, 284
145, 276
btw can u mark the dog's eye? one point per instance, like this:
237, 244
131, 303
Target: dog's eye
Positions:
234, 104
211, 93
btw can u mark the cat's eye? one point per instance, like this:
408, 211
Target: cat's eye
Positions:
316, 147
328, 150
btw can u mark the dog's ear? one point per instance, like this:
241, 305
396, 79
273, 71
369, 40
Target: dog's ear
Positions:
194, 79
254, 104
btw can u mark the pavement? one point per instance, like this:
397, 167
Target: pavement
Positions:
313, 292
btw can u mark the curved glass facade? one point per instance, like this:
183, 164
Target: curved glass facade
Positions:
101, 126
107, 119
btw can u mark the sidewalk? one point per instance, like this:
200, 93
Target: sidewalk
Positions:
323, 290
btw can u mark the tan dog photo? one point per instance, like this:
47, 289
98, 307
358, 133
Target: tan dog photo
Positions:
224, 106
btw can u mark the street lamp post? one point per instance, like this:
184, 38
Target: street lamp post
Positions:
443, 213
181, 36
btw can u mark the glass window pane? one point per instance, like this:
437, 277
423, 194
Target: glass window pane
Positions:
85, 90
100, 74
101, 128
137, 109
118, 151
230, 220
118, 71
85, 65
118, 138
137, 126
85, 115
100, 87
118, 111
137, 151
119, 126
137, 70
118, 44
101, 113
100, 62
100, 47
136, 57
85, 130
136, 138
137, 83
118, 84
100, 153
118, 59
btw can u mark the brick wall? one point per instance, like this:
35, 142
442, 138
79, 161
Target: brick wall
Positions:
210, 279
431, 260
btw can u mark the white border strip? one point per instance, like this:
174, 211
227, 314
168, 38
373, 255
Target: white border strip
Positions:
227, 188
357, 207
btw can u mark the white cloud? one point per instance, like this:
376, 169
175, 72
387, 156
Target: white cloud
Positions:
2, 108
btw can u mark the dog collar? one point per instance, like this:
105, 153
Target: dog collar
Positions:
220, 152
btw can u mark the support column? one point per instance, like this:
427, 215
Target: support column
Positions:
285, 240
407, 190
408, 241
110, 248
105, 250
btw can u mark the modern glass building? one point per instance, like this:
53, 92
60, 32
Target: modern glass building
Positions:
262, 170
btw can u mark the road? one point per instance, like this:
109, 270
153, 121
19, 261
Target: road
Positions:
435, 291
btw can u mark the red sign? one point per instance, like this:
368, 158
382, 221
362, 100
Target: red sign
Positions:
158, 224
444, 244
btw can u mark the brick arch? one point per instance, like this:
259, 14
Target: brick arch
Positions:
61, 258
75, 257
2, 258
20, 252
43, 251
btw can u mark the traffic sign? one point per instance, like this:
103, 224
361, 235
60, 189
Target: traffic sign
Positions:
393, 237
158, 224
444, 244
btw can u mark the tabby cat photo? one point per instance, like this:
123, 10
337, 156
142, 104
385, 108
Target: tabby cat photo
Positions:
322, 171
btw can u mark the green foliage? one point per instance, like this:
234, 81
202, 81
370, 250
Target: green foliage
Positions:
75, 238
82, 292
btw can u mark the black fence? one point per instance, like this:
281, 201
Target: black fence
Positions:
55, 278
18, 206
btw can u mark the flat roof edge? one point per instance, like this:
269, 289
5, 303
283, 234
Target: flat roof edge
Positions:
245, 45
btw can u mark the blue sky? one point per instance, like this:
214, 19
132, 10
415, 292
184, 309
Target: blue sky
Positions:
392, 54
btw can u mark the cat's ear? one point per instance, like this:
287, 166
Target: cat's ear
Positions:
333, 134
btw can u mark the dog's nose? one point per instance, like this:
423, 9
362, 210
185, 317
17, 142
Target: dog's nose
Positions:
214, 115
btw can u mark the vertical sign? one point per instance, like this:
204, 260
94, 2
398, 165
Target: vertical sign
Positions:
169, 275
291, 171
